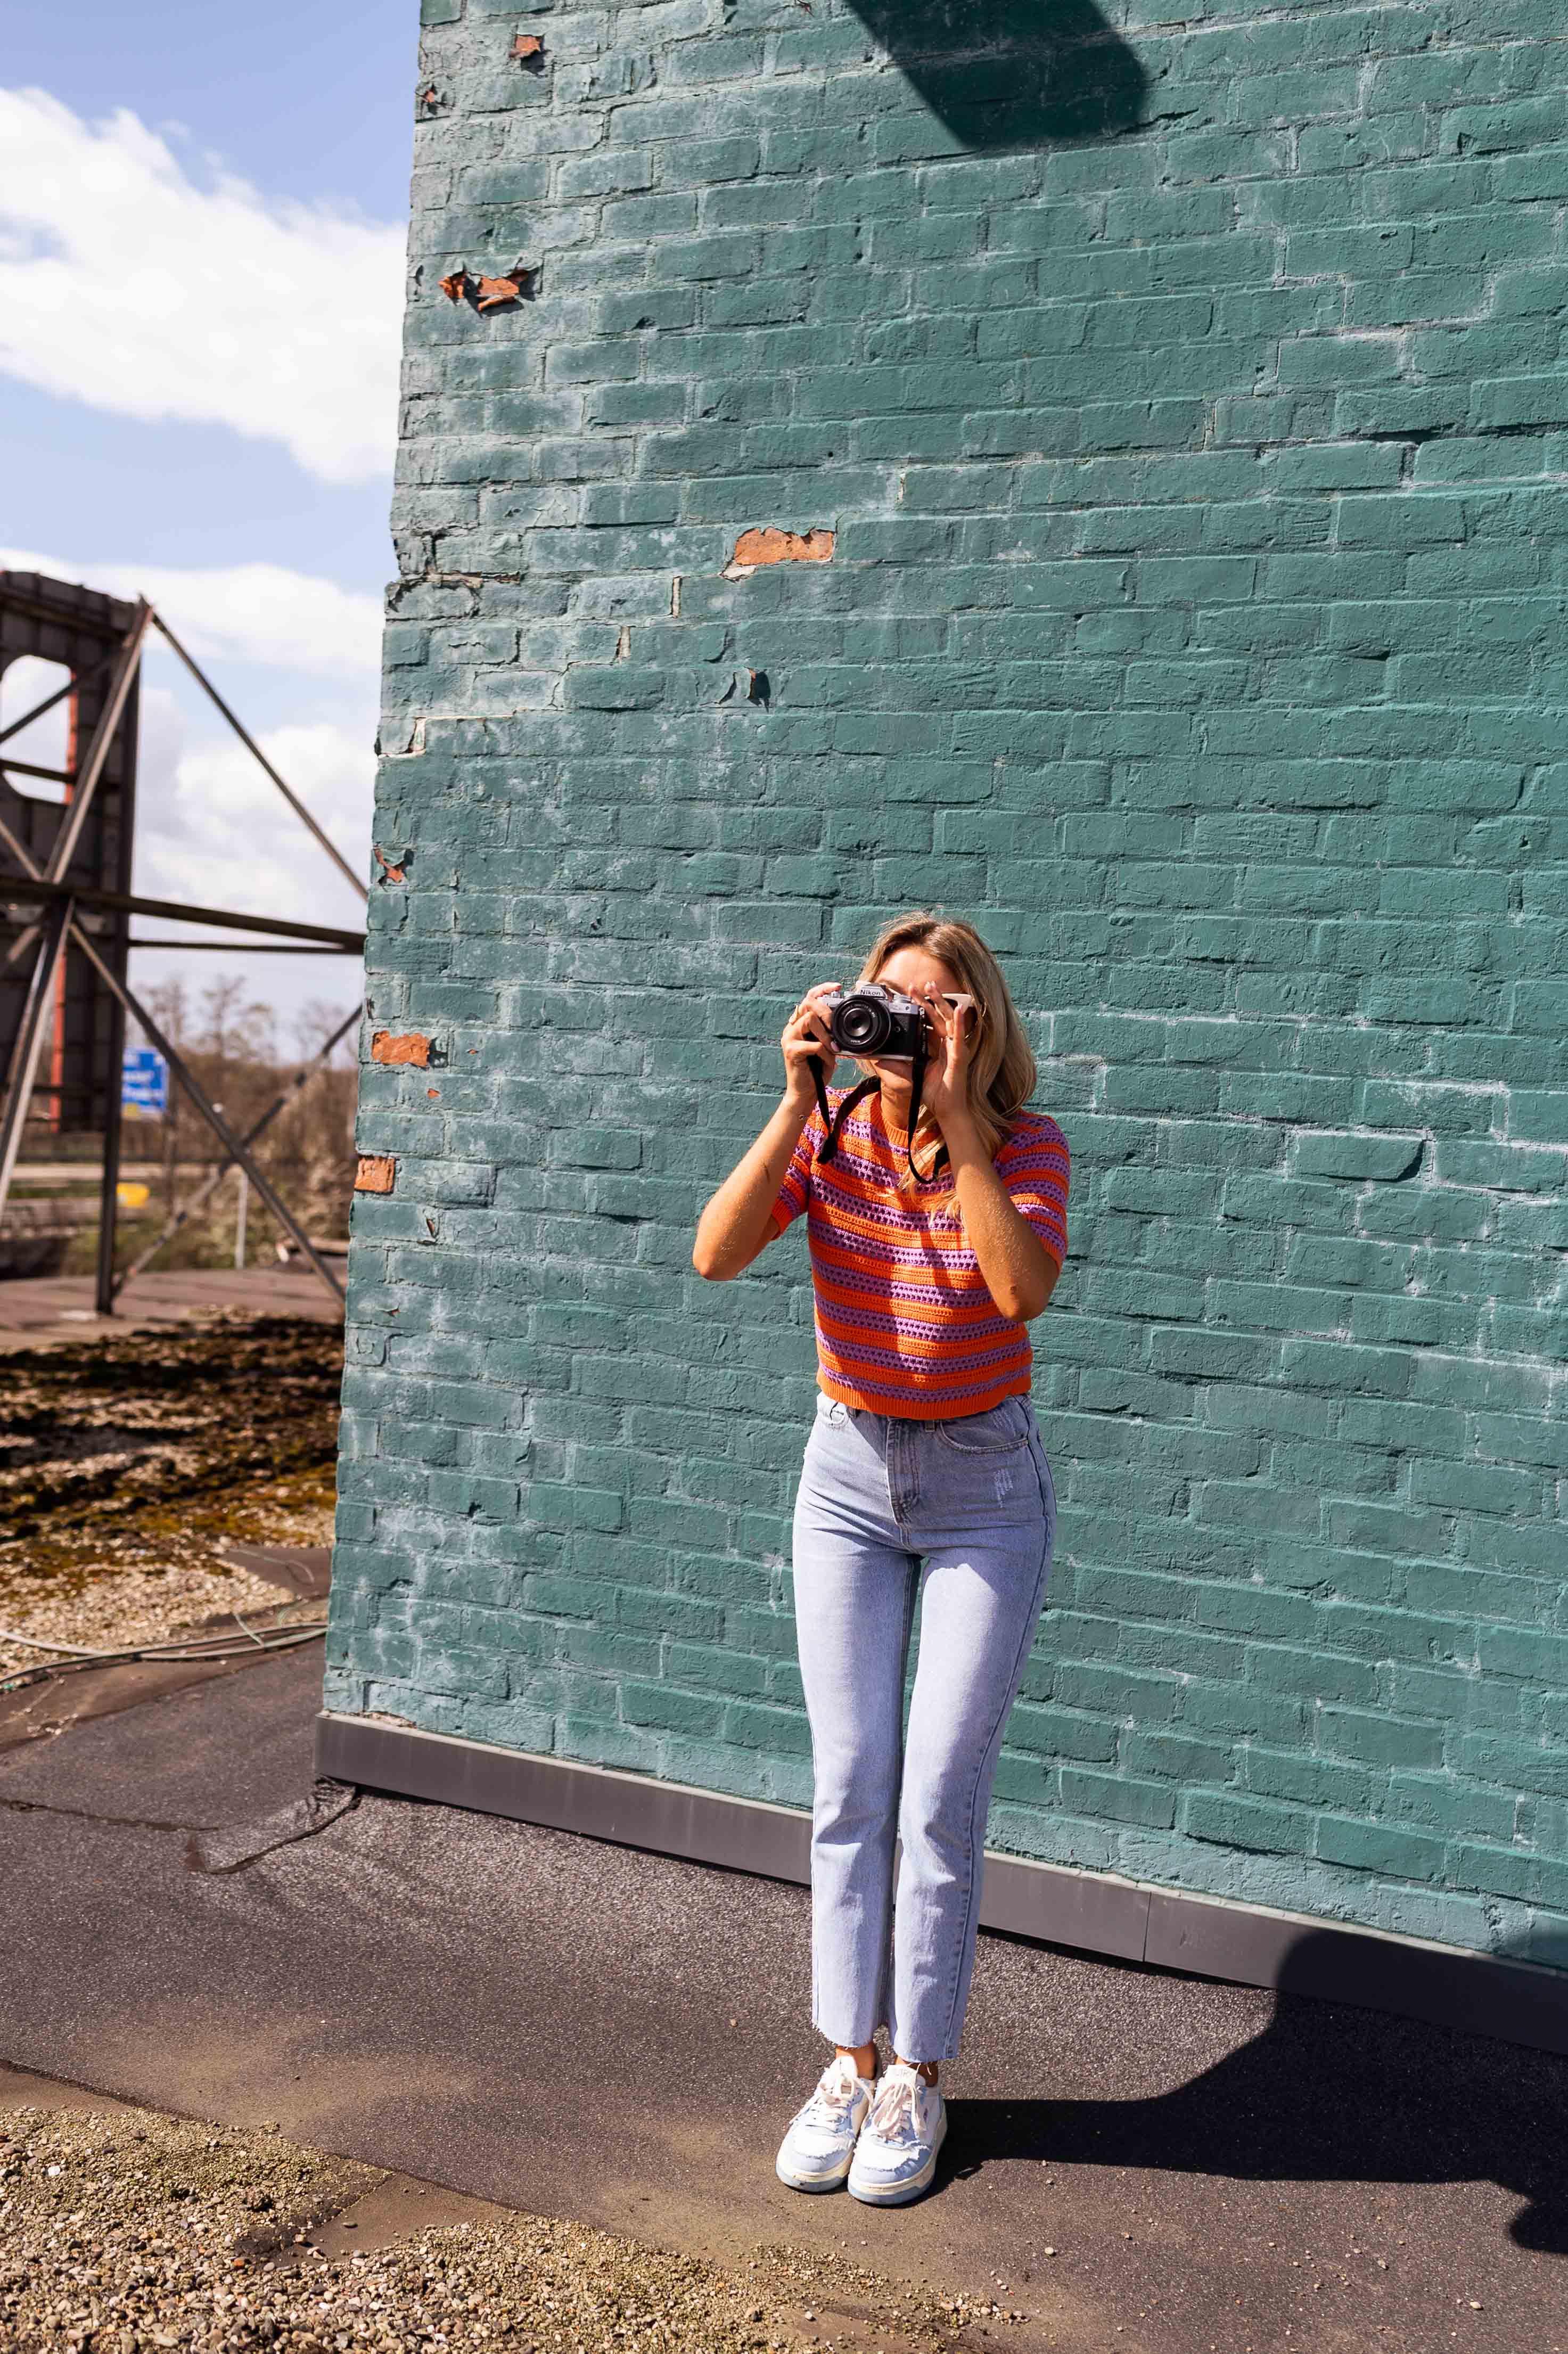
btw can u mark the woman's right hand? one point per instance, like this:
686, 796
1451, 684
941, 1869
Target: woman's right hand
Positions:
737, 1223
805, 1034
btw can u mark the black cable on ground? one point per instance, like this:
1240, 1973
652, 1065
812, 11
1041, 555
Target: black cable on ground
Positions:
196, 1651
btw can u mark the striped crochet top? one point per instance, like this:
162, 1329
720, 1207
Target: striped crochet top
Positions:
905, 1323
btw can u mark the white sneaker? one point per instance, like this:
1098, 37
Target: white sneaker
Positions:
896, 2157
815, 2152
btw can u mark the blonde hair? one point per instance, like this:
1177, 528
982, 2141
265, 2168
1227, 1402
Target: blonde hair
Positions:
1002, 1069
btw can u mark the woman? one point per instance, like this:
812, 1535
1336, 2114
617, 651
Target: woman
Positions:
924, 1475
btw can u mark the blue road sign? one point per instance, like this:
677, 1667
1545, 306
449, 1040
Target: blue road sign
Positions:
144, 1082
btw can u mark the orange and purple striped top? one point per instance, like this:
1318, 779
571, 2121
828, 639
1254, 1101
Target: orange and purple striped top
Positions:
905, 1323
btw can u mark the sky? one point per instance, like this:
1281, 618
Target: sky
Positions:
202, 221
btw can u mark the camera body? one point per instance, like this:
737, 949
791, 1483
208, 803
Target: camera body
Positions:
874, 1021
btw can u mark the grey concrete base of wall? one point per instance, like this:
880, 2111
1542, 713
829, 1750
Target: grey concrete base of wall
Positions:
1089, 1912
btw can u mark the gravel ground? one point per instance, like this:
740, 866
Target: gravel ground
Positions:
129, 2231
123, 1606
126, 1462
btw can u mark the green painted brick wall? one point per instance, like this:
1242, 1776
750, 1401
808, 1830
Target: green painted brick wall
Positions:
1189, 405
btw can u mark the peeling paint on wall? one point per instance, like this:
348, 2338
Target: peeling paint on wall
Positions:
519, 284
769, 545
407, 1047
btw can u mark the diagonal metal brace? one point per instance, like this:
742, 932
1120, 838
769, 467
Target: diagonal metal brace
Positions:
204, 1193
251, 746
91, 768
209, 1111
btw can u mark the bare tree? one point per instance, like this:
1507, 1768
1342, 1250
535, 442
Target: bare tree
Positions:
314, 1024
235, 1028
169, 1004
305, 1109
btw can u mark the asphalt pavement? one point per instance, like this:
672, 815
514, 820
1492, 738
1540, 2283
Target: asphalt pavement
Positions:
1145, 2161
38, 1310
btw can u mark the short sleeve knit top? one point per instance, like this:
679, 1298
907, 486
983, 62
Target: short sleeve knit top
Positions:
905, 1323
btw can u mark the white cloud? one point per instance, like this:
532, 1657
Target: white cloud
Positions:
211, 829
125, 284
25, 683
244, 613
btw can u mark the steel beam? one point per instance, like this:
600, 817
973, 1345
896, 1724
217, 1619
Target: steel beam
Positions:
90, 768
30, 769
109, 1184
245, 948
33, 1029
174, 911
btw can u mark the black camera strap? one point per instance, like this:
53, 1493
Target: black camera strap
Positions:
834, 1122
916, 1081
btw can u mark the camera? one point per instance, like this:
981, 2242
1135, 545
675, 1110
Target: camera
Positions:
875, 1020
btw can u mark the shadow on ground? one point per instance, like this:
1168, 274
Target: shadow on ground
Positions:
1316, 2098
1002, 74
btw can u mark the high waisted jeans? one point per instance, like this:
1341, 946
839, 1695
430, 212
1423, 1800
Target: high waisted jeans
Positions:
964, 1513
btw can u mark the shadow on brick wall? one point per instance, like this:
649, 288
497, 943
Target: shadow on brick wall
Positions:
1012, 73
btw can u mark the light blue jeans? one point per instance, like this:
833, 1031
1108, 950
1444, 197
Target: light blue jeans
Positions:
962, 1513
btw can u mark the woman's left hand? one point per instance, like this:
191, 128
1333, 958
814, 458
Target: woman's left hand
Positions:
945, 1093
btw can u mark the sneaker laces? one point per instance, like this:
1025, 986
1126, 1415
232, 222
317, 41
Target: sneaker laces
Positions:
897, 2114
836, 2089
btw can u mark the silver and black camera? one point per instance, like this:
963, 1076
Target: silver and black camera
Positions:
876, 1020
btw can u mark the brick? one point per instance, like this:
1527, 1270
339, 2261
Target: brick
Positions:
1380, 1848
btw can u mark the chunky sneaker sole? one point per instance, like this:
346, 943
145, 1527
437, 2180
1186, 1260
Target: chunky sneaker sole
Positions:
794, 2182
818, 2151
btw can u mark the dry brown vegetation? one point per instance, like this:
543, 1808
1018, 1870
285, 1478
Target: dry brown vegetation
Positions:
128, 1460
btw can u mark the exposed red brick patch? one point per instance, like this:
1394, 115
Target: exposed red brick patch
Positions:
770, 545
519, 284
376, 1173
390, 873
407, 1047
529, 50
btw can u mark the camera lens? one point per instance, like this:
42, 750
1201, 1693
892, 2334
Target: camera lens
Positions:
863, 1026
